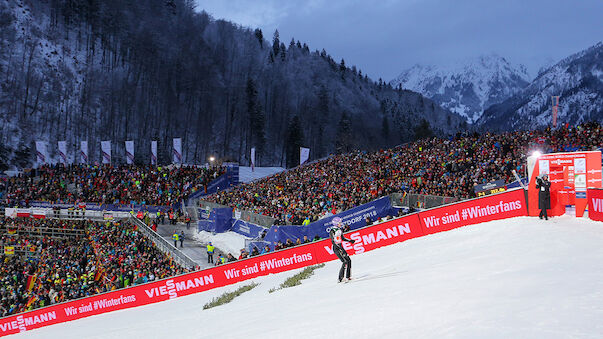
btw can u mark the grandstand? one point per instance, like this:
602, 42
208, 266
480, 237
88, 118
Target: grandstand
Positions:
52, 260
481, 281
449, 168
49, 261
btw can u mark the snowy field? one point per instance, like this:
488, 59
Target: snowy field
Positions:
230, 242
517, 278
246, 175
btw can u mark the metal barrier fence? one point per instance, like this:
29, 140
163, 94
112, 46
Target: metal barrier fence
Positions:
254, 218
193, 212
79, 214
164, 245
205, 204
47, 231
420, 200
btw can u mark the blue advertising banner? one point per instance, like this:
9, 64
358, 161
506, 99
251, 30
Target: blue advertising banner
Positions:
232, 172
515, 184
246, 228
219, 221
227, 180
354, 218
218, 184
488, 186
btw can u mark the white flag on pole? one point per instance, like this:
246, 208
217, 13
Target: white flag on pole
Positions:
41, 152
252, 159
106, 151
63, 152
84, 152
177, 151
154, 152
304, 155
129, 152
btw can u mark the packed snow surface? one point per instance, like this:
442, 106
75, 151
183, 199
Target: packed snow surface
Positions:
517, 278
247, 175
231, 242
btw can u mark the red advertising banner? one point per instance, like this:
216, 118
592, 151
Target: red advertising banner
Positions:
595, 204
196, 282
373, 237
493, 207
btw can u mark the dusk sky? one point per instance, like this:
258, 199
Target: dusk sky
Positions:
384, 37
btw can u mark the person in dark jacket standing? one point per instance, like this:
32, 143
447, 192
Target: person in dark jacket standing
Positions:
544, 195
337, 239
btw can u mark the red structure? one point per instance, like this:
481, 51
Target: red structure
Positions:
570, 175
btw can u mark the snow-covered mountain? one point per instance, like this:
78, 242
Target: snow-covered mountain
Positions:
578, 80
466, 87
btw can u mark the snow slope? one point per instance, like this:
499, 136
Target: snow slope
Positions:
246, 175
231, 242
513, 278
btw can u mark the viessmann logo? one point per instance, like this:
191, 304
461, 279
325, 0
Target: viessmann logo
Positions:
372, 238
562, 161
172, 288
22, 322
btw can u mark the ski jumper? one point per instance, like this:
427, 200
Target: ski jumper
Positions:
337, 238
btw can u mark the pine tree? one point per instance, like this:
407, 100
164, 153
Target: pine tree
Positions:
260, 36
255, 118
294, 141
283, 52
385, 129
343, 144
423, 130
276, 43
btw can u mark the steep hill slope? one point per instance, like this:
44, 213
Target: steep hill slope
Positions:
155, 70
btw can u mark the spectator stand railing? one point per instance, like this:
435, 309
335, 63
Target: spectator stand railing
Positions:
21, 251
79, 214
47, 231
420, 200
164, 245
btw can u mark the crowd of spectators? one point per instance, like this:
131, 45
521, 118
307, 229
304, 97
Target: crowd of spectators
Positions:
445, 167
78, 259
128, 257
106, 184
